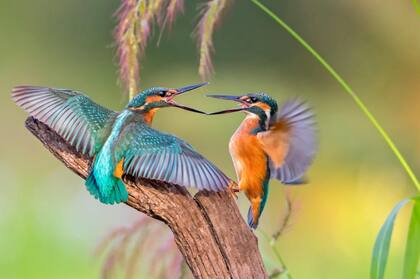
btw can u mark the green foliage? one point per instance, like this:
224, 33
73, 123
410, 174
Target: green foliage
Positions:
381, 248
412, 250
382, 243
416, 6
346, 88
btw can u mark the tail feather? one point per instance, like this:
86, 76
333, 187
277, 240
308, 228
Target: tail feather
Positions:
122, 190
259, 206
117, 194
92, 186
253, 224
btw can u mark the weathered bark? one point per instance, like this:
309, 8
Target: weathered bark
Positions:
208, 228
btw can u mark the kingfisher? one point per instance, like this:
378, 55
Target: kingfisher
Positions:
122, 143
269, 143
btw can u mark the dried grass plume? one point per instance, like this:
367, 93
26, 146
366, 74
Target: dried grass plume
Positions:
210, 18
136, 19
147, 240
175, 7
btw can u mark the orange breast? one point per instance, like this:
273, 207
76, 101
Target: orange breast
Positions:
148, 116
249, 159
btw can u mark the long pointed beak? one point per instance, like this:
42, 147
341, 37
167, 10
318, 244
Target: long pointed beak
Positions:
226, 97
230, 98
189, 88
173, 104
182, 90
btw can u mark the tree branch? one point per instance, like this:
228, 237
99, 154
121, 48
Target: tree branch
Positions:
208, 228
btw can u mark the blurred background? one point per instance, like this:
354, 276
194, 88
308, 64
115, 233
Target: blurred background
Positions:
50, 225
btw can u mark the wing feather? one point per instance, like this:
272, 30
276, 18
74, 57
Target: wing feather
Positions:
181, 176
155, 155
196, 174
80, 121
172, 167
206, 180
290, 142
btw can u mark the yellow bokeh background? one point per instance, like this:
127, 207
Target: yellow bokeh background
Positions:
50, 225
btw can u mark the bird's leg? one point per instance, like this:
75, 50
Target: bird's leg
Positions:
234, 188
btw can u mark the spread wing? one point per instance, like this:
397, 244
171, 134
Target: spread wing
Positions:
290, 142
76, 118
151, 154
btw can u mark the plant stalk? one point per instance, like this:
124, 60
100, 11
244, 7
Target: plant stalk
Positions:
272, 242
347, 88
416, 5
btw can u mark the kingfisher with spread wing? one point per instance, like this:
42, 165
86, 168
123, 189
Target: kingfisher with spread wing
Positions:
269, 143
122, 142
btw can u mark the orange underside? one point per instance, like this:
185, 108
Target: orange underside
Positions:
250, 163
118, 171
249, 159
253, 166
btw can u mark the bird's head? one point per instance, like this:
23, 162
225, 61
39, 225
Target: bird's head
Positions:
259, 104
159, 97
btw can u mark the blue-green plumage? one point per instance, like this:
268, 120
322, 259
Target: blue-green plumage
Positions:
112, 189
121, 143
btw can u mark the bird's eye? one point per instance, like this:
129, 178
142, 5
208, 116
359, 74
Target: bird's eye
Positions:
253, 99
162, 93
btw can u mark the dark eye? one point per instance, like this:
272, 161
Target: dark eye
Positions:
162, 93
253, 99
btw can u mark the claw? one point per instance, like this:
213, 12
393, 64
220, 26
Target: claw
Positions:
234, 188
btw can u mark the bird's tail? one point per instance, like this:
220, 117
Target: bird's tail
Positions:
117, 194
253, 224
256, 208
253, 218
92, 186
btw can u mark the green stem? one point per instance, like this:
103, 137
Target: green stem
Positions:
280, 259
416, 6
272, 243
347, 88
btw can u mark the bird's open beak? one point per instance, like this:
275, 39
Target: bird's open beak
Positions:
170, 101
238, 99
190, 87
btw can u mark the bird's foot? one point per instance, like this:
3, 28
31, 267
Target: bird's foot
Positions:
234, 189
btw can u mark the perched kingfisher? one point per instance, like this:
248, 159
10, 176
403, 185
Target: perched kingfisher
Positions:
122, 142
269, 143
